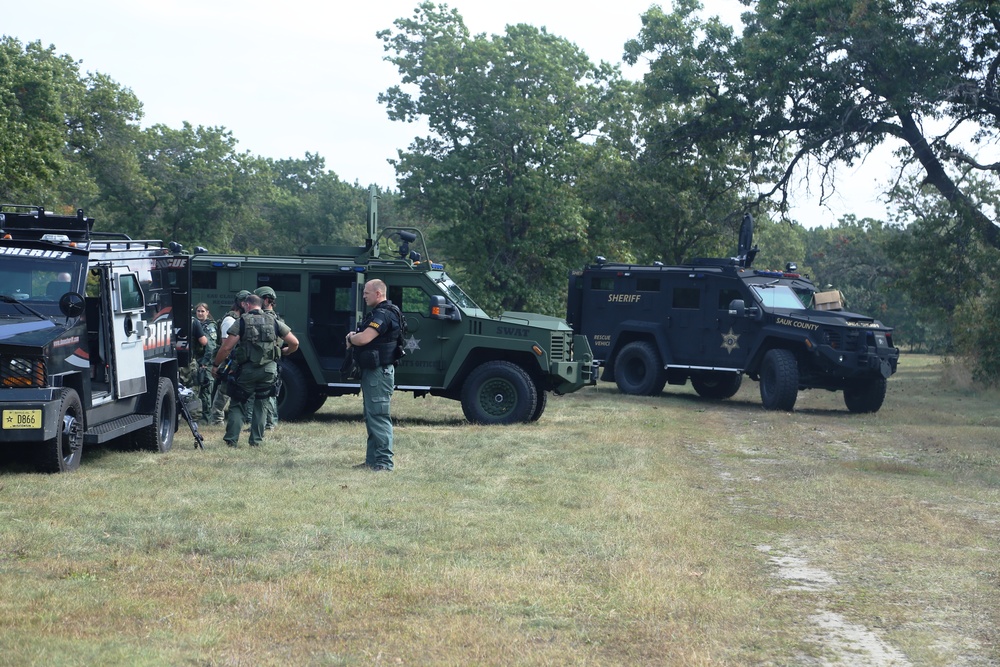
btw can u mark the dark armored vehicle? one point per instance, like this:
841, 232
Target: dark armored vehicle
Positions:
89, 329
501, 369
714, 320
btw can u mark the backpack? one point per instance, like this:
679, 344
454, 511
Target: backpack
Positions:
399, 351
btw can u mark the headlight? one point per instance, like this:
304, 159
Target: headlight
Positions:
20, 372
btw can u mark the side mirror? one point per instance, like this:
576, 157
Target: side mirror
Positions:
441, 309
71, 304
738, 308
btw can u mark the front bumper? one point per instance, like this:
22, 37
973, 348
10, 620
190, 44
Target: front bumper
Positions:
29, 415
866, 362
568, 376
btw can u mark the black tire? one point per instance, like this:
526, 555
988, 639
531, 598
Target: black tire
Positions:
64, 452
499, 392
159, 436
542, 399
294, 394
779, 380
639, 371
717, 384
313, 403
867, 397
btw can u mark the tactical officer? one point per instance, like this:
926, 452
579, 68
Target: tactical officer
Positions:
198, 344
205, 382
256, 339
374, 343
221, 400
268, 299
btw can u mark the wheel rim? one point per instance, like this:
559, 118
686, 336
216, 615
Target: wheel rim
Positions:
166, 425
72, 438
497, 397
635, 371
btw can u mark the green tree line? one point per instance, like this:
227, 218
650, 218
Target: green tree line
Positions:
538, 158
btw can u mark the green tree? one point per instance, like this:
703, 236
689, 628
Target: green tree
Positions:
66, 141
311, 206
826, 81
780, 243
856, 258
204, 192
35, 87
683, 199
943, 265
103, 150
508, 116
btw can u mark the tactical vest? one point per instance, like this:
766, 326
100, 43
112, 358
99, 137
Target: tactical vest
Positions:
211, 328
259, 342
385, 342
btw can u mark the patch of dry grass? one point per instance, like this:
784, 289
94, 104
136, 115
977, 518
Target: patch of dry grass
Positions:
616, 530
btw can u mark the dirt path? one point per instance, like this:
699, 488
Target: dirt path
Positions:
750, 468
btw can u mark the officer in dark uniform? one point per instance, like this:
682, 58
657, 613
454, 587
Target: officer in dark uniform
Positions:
256, 338
374, 343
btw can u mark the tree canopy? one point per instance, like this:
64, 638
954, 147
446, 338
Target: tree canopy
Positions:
508, 115
829, 80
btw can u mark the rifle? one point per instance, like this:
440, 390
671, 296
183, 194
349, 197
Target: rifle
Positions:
198, 438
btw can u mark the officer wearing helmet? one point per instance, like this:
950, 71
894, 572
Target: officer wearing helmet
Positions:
268, 297
221, 400
256, 343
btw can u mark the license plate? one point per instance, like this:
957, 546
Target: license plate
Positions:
22, 419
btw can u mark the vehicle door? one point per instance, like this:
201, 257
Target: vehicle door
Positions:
595, 314
334, 310
686, 296
728, 339
427, 337
126, 303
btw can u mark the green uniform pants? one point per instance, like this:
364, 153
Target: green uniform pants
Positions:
377, 385
255, 383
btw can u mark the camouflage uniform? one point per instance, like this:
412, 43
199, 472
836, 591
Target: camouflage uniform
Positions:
272, 404
256, 355
205, 355
221, 400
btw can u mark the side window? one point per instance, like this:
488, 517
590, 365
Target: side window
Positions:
204, 279
131, 295
602, 283
410, 299
647, 284
686, 297
281, 282
94, 283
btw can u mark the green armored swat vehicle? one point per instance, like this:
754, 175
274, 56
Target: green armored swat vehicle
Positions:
90, 330
500, 369
714, 320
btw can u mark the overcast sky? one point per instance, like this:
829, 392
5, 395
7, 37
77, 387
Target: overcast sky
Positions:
303, 75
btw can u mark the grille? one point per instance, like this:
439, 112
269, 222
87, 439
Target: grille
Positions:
845, 342
559, 346
22, 372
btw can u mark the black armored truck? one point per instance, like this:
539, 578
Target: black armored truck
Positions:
90, 325
714, 320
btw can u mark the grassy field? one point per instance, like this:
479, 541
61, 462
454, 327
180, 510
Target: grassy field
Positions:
615, 531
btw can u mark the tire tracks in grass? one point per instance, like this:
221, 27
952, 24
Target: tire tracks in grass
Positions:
742, 463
